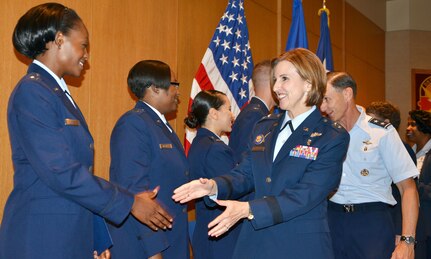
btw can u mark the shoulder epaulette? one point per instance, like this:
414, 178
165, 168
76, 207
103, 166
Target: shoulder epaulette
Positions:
380, 123
257, 107
34, 76
137, 110
215, 139
269, 117
334, 124
337, 125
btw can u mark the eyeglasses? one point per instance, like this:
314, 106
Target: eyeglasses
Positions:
176, 84
411, 124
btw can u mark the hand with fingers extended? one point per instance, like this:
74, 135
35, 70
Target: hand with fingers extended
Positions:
104, 255
195, 189
235, 210
147, 210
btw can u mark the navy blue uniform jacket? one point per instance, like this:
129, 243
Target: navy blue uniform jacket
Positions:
243, 125
49, 213
424, 190
290, 207
210, 157
145, 154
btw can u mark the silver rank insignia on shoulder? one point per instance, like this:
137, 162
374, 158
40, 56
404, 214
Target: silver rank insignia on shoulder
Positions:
365, 172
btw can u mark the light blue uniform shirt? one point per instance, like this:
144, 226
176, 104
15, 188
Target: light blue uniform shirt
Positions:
375, 158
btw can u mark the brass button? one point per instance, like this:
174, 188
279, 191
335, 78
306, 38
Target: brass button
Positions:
90, 169
92, 146
187, 173
184, 210
268, 179
365, 172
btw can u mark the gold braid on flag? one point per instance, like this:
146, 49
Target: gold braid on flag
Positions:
324, 9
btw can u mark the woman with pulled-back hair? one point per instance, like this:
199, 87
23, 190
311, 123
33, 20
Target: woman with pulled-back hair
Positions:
57, 206
208, 157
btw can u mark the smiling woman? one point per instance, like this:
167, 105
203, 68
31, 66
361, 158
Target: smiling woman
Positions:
147, 155
287, 216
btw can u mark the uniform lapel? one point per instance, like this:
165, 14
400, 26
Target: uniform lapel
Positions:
299, 136
171, 135
271, 138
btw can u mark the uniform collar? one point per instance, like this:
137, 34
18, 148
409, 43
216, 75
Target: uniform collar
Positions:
60, 81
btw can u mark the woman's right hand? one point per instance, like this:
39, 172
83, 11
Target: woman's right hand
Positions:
156, 256
195, 189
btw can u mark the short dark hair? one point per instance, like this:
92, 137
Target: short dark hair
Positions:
422, 119
309, 68
202, 103
341, 81
39, 25
385, 111
148, 73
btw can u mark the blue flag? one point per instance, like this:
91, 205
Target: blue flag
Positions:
324, 49
298, 33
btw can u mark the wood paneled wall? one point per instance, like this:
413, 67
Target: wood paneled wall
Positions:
178, 33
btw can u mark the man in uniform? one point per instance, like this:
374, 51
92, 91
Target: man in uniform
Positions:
359, 212
259, 106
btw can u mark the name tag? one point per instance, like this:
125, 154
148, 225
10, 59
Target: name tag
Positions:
71, 122
165, 146
258, 149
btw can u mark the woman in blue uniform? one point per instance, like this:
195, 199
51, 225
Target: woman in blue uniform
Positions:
146, 155
209, 157
293, 163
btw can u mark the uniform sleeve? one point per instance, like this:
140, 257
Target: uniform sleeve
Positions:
320, 178
238, 182
131, 158
396, 158
131, 154
47, 147
424, 185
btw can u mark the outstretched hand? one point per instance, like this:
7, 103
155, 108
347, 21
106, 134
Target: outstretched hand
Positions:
235, 210
194, 189
148, 211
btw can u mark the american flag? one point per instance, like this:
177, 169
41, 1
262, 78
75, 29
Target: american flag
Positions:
324, 48
298, 32
227, 64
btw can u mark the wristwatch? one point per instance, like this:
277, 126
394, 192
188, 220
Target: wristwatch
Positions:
410, 240
250, 213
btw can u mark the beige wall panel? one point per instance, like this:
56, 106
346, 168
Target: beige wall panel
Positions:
262, 26
197, 21
337, 55
370, 81
336, 23
146, 30
269, 5
364, 38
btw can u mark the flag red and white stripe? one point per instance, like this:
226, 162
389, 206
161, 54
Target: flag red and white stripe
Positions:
227, 64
